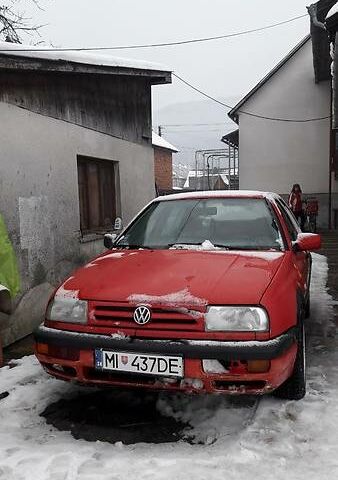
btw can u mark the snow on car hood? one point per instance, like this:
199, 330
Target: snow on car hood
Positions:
176, 277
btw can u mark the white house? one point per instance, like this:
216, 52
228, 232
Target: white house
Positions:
284, 131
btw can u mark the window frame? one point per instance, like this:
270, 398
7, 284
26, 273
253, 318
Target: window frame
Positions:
102, 166
288, 218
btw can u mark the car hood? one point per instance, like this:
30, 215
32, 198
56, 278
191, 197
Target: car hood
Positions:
175, 277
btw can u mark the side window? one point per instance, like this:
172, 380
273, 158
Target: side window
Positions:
291, 224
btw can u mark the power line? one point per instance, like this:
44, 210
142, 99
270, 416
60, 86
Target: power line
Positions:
276, 119
164, 44
166, 125
220, 129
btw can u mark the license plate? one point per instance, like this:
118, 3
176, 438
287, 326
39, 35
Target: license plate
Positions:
157, 365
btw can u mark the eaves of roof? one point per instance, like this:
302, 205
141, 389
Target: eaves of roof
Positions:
233, 112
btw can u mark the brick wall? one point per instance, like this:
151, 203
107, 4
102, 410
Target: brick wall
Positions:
163, 160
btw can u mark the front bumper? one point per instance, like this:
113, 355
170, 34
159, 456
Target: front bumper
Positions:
197, 349
280, 351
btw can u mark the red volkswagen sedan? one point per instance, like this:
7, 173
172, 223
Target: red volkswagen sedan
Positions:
202, 292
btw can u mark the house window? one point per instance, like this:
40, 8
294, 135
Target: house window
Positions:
97, 194
291, 222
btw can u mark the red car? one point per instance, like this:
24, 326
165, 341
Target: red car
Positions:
202, 292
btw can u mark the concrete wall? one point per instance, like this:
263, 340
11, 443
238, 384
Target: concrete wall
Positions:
275, 155
39, 197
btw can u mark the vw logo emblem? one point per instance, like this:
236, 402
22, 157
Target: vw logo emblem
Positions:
142, 315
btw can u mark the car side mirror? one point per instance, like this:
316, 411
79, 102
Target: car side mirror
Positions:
5, 300
307, 242
109, 240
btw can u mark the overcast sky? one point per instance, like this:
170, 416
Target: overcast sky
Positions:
226, 69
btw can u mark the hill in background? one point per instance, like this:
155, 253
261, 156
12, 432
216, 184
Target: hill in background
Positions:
213, 122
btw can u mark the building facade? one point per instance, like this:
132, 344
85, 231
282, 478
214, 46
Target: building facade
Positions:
284, 132
163, 163
76, 152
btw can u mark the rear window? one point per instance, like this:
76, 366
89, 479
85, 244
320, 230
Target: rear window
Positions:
232, 223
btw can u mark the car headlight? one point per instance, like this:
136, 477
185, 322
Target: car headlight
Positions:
69, 310
236, 319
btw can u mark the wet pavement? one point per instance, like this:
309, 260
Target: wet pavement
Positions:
19, 349
113, 416
330, 250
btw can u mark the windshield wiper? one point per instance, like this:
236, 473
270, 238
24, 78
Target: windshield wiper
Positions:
132, 247
221, 246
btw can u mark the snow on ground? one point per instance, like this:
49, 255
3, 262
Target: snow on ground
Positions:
234, 439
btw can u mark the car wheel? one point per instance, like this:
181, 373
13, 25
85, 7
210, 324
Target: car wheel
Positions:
294, 388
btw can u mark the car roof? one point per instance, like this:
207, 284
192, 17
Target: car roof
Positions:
219, 194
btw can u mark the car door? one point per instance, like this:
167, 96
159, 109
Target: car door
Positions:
302, 260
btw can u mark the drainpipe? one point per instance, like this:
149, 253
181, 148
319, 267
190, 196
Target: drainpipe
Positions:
333, 120
332, 152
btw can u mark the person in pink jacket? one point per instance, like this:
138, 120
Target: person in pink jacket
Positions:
296, 204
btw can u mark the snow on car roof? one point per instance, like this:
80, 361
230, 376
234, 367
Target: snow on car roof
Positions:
88, 58
219, 194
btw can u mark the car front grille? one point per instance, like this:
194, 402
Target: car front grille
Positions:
106, 314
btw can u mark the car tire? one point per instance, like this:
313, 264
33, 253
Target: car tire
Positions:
294, 388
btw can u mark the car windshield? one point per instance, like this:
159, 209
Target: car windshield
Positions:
229, 223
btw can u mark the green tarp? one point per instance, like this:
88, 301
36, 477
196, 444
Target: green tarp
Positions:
9, 273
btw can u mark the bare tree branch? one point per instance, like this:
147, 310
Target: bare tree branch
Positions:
14, 23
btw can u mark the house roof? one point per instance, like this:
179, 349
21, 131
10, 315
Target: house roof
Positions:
332, 11
204, 175
232, 138
320, 39
331, 20
234, 111
27, 57
160, 142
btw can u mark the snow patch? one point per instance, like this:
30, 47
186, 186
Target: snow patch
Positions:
65, 293
210, 417
205, 246
219, 194
158, 141
213, 366
174, 299
120, 336
267, 255
114, 255
87, 58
